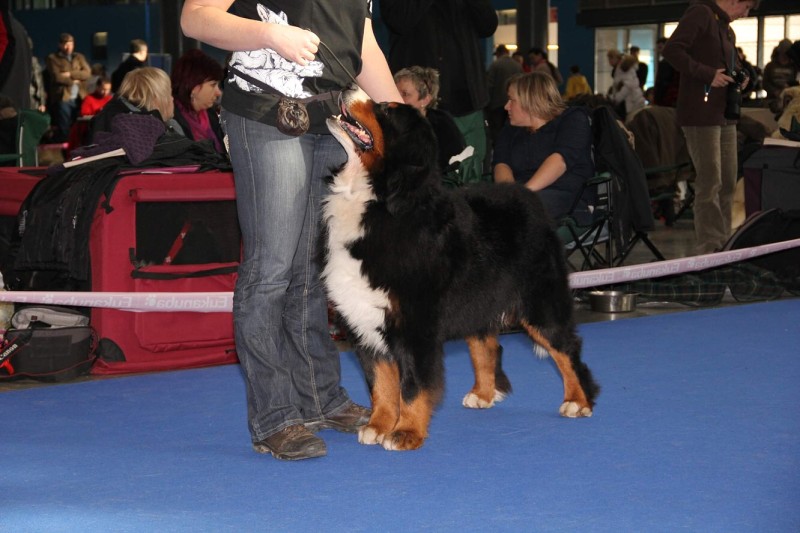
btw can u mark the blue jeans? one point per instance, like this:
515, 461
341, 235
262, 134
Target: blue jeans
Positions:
290, 364
67, 114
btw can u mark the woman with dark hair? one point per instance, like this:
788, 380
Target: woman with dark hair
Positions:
195, 88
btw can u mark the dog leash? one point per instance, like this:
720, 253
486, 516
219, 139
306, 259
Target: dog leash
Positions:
335, 57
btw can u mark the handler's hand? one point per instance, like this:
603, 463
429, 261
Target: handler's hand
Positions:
295, 44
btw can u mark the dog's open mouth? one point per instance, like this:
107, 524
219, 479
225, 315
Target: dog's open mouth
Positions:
361, 137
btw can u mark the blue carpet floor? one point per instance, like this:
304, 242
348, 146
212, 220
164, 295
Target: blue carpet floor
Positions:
696, 429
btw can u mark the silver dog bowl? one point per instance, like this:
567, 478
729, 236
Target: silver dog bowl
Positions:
612, 301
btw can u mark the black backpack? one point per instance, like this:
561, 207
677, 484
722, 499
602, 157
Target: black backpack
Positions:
766, 227
759, 279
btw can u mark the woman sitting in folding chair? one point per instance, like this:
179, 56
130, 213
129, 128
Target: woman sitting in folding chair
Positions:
546, 146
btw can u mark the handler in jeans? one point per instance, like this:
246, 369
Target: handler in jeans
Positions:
289, 362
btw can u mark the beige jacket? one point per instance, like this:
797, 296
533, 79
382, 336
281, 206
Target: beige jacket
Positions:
64, 73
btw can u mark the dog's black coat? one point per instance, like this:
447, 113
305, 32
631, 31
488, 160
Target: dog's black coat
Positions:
454, 263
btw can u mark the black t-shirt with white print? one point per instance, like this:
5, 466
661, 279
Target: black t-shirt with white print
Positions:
340, 27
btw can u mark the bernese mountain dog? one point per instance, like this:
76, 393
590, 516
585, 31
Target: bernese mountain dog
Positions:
409, 264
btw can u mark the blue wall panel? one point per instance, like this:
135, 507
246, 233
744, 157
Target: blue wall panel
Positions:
123, 23
575, 43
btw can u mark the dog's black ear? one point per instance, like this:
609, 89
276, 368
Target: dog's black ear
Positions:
409, 167
409, 138
410, 188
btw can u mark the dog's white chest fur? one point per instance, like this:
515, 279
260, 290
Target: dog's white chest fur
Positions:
363, 306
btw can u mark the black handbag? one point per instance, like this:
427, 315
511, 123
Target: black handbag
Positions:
47, 352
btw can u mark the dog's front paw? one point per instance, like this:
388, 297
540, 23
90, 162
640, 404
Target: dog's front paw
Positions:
369, 435
473, 401
575, 410
403, 440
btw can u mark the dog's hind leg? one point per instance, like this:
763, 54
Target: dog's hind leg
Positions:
580, 389
491, 383
385, 392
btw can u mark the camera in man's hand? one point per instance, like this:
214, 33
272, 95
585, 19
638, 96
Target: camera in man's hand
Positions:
733, 100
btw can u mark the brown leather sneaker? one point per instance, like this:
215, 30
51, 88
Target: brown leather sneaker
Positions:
347, 420
292, 444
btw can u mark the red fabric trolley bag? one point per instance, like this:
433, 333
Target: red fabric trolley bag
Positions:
173, 232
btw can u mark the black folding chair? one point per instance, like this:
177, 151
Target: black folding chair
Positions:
630, 215
590, 240
664, 201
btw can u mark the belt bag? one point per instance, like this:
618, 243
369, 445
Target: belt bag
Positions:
292, 116
45, 351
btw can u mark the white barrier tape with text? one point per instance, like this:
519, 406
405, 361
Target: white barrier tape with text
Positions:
625, 274
222, 302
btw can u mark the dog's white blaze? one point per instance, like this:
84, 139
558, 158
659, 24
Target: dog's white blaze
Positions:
363, 306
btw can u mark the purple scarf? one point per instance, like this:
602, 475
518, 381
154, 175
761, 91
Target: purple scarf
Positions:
199, 125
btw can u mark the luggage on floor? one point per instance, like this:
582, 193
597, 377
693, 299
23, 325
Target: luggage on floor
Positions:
761, 278
165, 233
47, 343
772, 179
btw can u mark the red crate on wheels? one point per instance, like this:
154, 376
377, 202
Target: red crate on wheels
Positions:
158, 233
15, 184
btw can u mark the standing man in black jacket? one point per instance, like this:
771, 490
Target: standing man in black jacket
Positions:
445, 35
501, 69
136, 59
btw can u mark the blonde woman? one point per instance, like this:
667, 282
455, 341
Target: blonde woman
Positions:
546, 146
144, 90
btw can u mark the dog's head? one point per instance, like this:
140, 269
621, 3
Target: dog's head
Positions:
392, 142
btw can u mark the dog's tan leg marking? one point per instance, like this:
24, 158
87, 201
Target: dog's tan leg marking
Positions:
412, 428
483, 353
575, 403
385, 404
